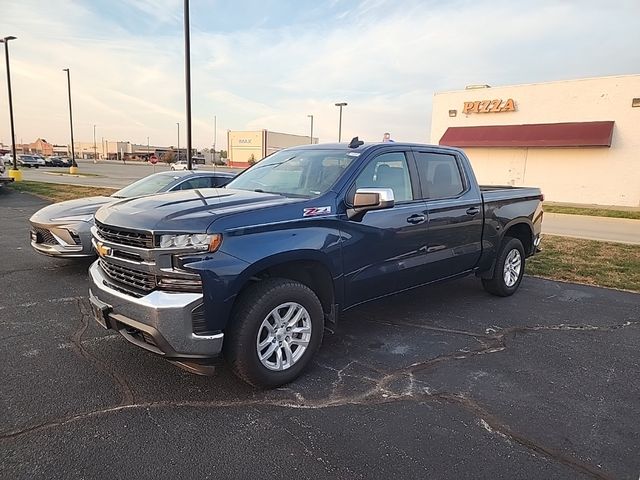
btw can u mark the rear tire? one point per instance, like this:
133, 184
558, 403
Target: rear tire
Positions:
254, 332
509, 269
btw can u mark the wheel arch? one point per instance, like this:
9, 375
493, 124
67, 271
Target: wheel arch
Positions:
522, 229
309, 267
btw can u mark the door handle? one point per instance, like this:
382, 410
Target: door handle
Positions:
473, 211
415, 219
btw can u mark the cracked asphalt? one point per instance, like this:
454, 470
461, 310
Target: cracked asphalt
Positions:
443, 382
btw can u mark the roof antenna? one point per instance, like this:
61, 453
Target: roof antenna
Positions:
355, 143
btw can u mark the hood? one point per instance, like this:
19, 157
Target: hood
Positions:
186, 210
70, 208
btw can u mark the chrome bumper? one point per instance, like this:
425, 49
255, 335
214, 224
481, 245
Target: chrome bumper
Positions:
160, 321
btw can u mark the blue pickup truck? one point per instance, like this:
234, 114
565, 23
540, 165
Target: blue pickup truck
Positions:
253, 272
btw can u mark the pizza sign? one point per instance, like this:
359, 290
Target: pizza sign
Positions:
489, 106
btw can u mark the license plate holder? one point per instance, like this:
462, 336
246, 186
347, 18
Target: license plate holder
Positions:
100, 312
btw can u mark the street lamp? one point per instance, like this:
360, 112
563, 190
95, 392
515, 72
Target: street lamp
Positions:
74, 165
311, 135
215, 136
187, 78
95, 148
340, 105
13, 173
178, 124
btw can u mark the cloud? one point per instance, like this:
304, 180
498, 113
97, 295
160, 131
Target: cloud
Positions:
269, 64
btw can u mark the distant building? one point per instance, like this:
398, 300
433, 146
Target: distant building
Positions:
578, 139
247, 147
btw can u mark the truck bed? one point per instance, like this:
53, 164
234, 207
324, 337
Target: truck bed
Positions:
491, 193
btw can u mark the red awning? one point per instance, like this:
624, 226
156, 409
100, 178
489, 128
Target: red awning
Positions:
576, 134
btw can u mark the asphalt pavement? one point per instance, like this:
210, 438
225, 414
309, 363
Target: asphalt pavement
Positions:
442, 382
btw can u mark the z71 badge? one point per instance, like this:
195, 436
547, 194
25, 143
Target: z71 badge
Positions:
315, 211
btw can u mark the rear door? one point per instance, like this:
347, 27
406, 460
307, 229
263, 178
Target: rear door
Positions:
383, 252
455, 217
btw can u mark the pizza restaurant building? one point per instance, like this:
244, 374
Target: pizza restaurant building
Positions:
579, 140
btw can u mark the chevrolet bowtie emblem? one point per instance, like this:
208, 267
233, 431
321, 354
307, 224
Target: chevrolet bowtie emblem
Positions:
102, 249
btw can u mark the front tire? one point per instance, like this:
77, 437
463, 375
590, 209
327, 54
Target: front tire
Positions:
509, 269
275, 331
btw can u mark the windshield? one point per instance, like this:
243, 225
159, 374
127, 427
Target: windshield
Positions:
146, 186
297, 173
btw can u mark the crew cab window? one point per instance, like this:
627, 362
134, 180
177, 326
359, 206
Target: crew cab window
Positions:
389, 170
439, 175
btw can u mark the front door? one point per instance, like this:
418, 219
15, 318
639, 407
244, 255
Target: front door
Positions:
384, 251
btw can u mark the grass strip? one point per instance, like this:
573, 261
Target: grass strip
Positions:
605, 264
58, 192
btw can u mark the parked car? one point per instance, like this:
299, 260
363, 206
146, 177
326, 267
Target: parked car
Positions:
3, 178
40, 159
253, 272
7, 159
57, 162
27, 161
63, 229
182, 165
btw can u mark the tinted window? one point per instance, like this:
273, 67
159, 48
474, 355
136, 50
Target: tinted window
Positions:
389, 170
145, 186
439, 175
220, 181
198, 182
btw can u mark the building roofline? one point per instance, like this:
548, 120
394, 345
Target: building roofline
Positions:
583, 79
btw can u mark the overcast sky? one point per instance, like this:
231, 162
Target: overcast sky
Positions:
268, 63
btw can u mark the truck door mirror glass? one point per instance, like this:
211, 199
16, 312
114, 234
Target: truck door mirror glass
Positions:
366, 199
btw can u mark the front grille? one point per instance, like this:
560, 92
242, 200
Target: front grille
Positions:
44, 236
125, 237
128, 277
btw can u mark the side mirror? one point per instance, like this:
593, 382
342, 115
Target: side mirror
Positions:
366, 199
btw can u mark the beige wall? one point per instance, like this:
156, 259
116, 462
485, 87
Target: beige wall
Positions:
598, 175
277, 141
244, 144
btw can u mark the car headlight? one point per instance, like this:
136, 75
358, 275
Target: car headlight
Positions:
75, 218
200, 241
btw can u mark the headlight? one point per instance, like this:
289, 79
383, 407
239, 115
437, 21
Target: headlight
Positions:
200, 241
75, 218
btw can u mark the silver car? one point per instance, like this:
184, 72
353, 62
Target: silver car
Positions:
64, 229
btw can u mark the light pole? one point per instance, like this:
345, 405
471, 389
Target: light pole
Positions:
215, 136
95, 147
14, 172
340, 105
74, 166
187, 78
311, 135
178, 124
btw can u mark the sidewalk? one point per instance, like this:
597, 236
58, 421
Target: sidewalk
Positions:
622, 230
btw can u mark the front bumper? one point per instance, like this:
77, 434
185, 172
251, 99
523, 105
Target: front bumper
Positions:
59, 241
160, 322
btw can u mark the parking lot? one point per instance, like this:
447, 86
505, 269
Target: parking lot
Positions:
442, 382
